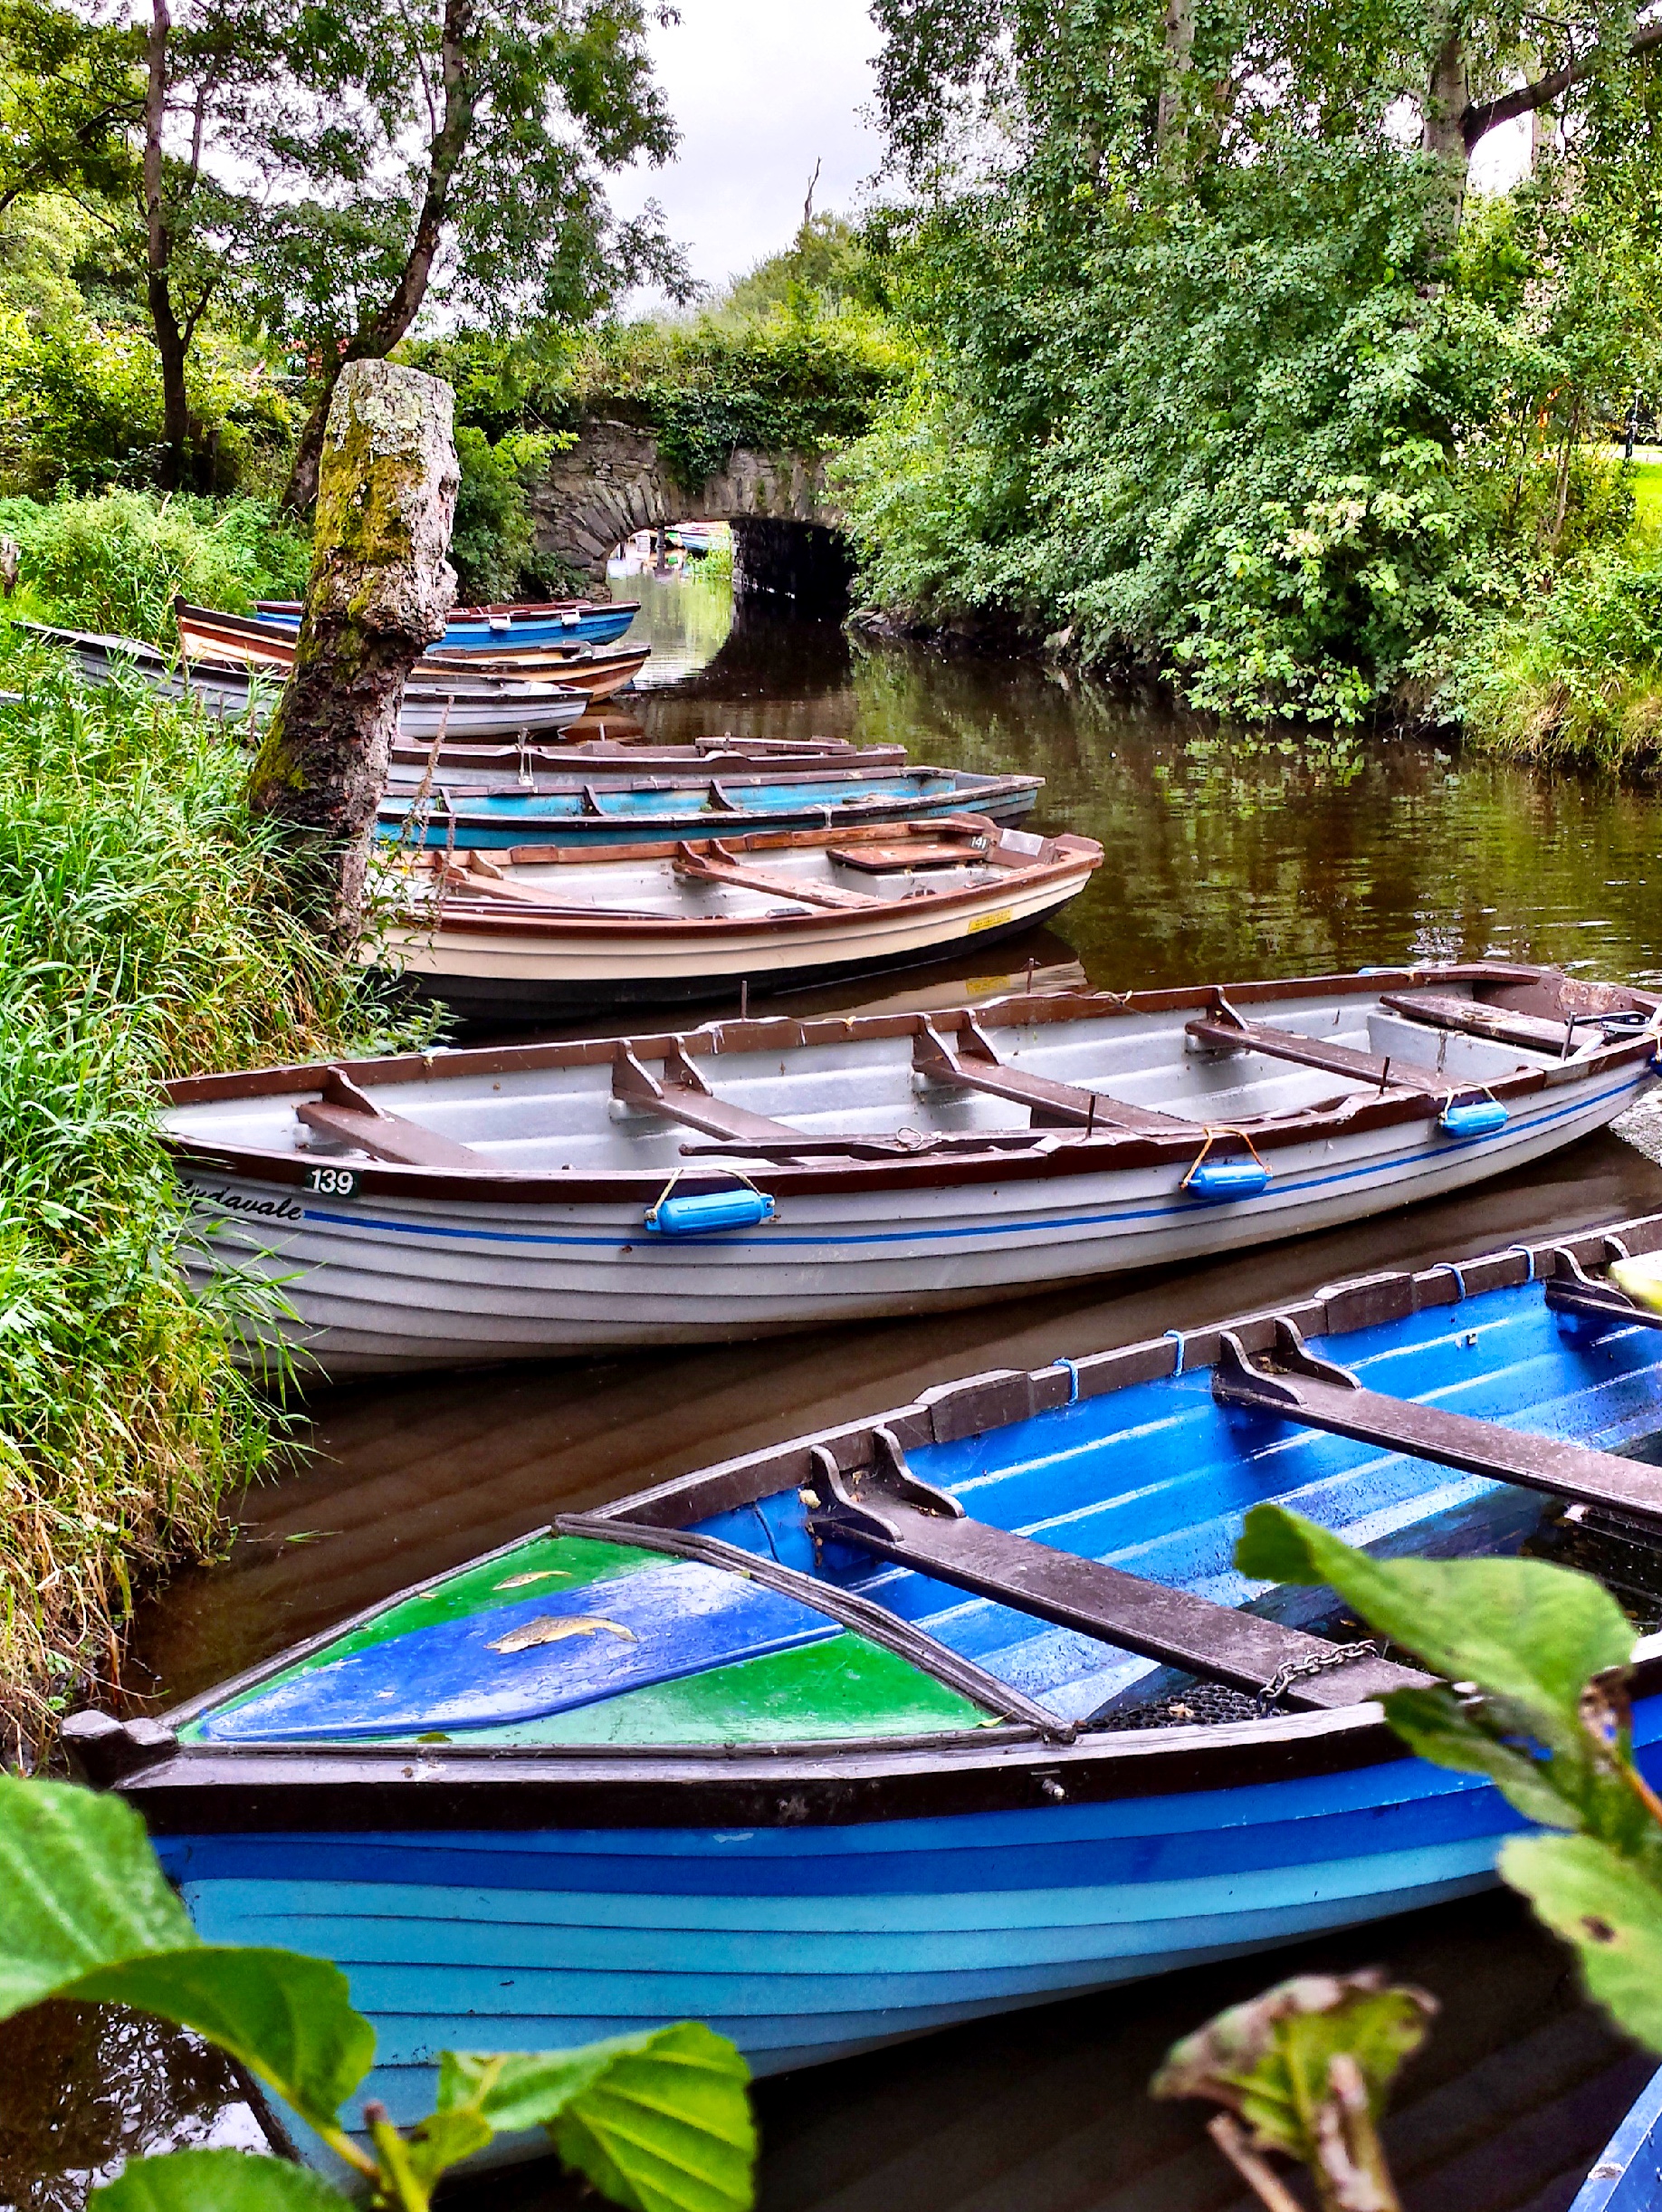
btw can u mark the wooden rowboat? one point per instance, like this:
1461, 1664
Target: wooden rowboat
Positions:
545, 928
1627, 2175
579, 812
471, 628
929, 1717
454, 1208
597, 742
240, 690
206, 633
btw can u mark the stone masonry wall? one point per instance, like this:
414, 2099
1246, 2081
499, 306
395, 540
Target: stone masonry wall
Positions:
614, 481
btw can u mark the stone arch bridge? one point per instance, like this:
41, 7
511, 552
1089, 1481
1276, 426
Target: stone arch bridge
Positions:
786, 534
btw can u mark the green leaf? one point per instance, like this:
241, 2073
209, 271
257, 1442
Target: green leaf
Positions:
1433, 1723
1601, 1904
79, 1887
658, 2122
217, 2182
1269, 2060
1518, 1628
287, 2017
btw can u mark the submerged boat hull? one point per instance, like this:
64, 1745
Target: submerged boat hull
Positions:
378, 1284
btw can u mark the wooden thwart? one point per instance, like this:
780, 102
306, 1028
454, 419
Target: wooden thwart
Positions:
352, 1116
894, 1516
1304, 1389
719, 867
681, 1095
971, 1062
1524, 1032
1227, 1031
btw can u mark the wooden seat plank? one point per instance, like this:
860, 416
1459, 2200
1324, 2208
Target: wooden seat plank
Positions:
1524, 1032
1150, 1618
972, 1064
1320, 1396
681, 1095
746, 876
1233, 1035
352, 1118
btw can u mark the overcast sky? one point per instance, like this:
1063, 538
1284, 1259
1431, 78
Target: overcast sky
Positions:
761, 89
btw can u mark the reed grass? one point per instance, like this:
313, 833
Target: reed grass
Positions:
143, 934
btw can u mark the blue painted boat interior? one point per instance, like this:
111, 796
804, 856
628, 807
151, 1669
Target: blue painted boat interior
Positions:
1157, 1479
1627, 2175
1154, 1478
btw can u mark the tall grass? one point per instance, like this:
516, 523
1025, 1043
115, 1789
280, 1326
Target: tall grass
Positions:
142, 933
1576, 680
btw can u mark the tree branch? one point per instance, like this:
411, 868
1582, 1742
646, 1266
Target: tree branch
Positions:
1482, 116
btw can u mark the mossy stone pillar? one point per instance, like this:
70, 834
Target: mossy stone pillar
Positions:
379, 593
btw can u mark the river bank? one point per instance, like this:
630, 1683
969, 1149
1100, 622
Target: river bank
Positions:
142, 933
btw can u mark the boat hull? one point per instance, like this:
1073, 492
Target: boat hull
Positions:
509, 827
378, 1284
806, 1944
594, 626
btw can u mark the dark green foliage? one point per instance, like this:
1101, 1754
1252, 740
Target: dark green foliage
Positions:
798, 381
492, 548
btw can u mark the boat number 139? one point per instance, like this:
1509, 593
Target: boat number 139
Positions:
333, 1182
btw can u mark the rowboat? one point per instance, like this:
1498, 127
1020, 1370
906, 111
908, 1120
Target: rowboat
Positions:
576, 811
585, 621
207, 633
516, 766
540, 929
925, 1716
238, 690
1627, 2175
449, 1209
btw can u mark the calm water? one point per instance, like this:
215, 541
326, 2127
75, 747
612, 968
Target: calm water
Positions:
1227, 855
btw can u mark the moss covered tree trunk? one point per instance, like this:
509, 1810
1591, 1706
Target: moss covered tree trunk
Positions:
379, 593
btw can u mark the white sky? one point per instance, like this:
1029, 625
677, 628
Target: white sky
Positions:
761, 89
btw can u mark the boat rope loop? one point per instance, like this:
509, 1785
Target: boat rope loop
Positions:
1211, 1136
1528, 1252
1300, 1670
716, 1168
1073, 1377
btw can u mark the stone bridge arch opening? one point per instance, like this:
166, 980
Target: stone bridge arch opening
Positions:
788, 536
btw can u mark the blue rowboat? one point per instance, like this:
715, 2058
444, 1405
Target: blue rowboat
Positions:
598, 810
1627, 2175
468, 630
925, 1717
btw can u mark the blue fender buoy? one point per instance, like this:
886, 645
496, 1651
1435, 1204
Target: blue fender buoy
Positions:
1219, 1179
1475, 1118
697, 1214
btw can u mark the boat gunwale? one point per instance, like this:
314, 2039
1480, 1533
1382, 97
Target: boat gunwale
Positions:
214, 1788
1052, 1154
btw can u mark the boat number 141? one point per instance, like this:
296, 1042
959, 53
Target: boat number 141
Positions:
333, 1182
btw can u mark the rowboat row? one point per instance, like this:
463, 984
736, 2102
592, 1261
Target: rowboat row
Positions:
756, 1176
492, 629
931, 1716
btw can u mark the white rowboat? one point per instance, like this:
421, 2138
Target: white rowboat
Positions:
539, 929
752, 1177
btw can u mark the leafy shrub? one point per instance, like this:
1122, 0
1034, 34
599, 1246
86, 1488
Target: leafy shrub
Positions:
1578, 677
143, 932
116, 561
796, 381
493, 547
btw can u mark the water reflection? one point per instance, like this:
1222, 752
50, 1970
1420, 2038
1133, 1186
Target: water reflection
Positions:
1227, 855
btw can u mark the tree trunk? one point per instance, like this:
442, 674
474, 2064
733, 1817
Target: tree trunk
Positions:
1171, 124
1443, 131
377, 595
170, 344
377, 335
